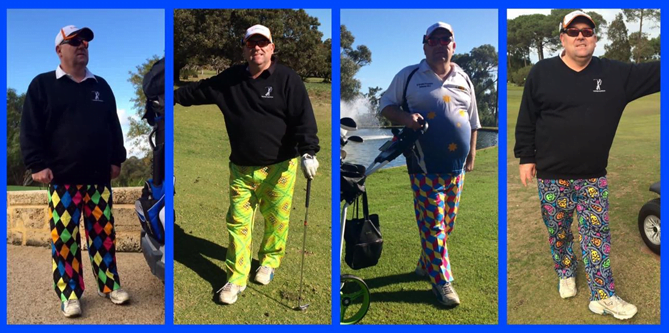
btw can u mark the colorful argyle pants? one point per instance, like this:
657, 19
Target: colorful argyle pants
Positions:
271, 189
66, 203
590, 199
436, 201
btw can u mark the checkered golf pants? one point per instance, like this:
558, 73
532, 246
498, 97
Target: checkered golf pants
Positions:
271, 189
436, 201
66, 203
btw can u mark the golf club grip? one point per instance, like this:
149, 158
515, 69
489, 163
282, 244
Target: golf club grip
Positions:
306, 204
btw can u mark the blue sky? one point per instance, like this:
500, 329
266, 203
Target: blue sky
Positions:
394, 36
124, 38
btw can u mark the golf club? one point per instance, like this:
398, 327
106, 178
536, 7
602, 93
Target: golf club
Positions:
301, 306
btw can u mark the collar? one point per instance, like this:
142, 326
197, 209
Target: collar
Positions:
269, 71
60, 73
425, 67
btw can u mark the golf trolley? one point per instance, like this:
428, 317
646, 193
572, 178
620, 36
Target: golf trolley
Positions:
354, 293
150, 207
649, 221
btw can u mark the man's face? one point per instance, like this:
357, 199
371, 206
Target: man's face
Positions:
579, 47
73, 51
258, 50
437, 51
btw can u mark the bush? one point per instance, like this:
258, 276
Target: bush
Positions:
518, 77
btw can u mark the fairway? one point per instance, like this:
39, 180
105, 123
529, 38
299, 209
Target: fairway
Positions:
398, 296
634, 164
201, 160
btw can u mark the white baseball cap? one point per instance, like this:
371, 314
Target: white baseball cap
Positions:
572, 16
258, 29
70, 31
439, 25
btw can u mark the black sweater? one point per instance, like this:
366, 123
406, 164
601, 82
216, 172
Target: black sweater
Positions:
71, 128
568, 119
269, 119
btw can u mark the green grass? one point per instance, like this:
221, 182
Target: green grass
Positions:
24, 188
398, 296
634, 164
201, 239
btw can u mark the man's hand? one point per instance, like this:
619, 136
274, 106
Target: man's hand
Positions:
414, 121
45, 176
309, 166
115, 171
527, 172
469, 164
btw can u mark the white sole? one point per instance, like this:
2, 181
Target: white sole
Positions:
598, 309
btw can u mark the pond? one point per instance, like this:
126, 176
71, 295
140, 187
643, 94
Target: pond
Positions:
365, 152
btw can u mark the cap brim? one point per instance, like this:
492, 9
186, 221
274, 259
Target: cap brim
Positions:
84, 33
247, 38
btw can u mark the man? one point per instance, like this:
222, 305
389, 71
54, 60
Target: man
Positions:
437, 91
71, 139
568, 117
270, 122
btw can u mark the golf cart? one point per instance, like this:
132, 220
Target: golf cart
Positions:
649, 221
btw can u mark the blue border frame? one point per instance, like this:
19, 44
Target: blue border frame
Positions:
335, 6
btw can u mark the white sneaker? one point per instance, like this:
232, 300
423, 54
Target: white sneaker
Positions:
118, 296
446, 295
229, 293
567, 287
614, 306
71, 308
420, 272
264, 275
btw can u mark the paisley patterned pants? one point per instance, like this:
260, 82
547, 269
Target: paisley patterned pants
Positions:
560, 198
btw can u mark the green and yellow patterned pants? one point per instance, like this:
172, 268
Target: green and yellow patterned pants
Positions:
269, 188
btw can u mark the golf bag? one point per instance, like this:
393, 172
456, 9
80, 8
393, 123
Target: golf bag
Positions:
364, 242
362, 235
150, 207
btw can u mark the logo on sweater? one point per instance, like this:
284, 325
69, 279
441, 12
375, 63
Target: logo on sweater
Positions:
96, 96
268, 94
598, 82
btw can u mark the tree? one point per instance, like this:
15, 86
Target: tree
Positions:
619, 48
643, 50
139, 129
352, 59
633, 15
200, 34
16, 170
481, 66
518, 48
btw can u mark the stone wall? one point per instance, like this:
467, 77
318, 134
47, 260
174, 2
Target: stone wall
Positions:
27, 222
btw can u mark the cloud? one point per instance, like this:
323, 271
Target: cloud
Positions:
130, 146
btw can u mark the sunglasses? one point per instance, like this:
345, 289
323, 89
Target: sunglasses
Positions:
441, 40
573, 32
251, 44
75, 42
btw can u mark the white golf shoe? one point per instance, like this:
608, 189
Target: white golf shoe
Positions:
614, 306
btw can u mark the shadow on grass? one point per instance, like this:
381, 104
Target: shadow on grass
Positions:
194, 253
402, 296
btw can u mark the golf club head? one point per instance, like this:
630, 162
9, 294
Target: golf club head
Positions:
348, 124
355, 139
302, 307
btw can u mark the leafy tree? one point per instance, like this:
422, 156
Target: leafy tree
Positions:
481, 66
139, 129
200, 34
619, 48
643, 50
633, 15
352, 59
16, 170
135, 171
